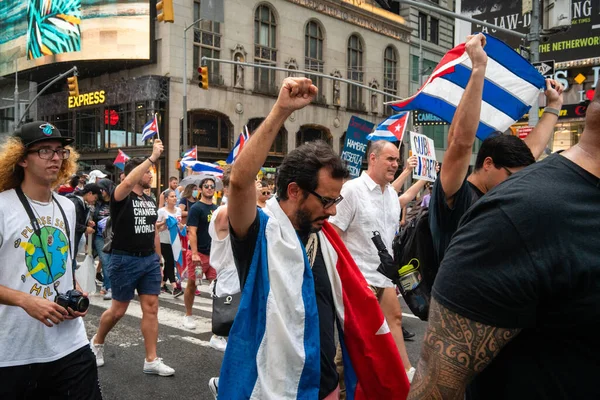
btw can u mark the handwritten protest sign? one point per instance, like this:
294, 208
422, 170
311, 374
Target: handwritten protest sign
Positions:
356, 144
423, 148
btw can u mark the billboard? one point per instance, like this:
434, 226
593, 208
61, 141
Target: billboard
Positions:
40, 32
581, 41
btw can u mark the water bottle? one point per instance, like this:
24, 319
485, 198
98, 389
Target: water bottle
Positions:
409, 275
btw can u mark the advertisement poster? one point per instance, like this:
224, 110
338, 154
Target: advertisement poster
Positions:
356, 144
581, 41
424, 149
36, 32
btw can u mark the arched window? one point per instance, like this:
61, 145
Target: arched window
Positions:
265, 51
313, 52
390, 75
309, 133
210, 129
280, 143
355, 73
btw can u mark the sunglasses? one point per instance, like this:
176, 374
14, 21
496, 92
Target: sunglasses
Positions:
266, 193
208, 186
327, 201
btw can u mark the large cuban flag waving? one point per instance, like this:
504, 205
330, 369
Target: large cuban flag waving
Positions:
511, 85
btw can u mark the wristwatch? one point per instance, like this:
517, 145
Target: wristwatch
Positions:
551, 110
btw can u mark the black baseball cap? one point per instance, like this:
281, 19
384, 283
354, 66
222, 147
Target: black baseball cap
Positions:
39, 131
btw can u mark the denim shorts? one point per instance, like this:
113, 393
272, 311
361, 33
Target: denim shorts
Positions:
129, 273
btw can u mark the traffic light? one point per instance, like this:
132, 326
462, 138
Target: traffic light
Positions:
203, 77
164, 10
73, 86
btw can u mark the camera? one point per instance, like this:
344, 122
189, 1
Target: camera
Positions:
74, 299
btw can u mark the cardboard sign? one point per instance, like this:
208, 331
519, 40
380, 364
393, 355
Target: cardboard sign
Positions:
424, 149
356, 144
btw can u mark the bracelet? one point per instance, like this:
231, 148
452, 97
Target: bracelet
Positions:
152, 162
551, 110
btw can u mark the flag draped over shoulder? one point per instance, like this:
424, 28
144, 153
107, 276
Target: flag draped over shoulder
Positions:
511, 85
174, 232
273, 350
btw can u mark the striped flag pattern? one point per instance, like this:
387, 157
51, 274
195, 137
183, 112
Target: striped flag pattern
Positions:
392, 129
239, 145
202, 167
175, 240
150, 129
511, 85
120, 160
191, 154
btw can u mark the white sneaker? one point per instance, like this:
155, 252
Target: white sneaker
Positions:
213, 386
158, 367
188, 322
108, 295
98, 350
218, 343
411, 374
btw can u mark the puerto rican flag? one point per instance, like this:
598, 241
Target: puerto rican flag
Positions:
150, 129
511, 85
120, 160
202, 167
273, 351
392, 129
191, 154
239, 145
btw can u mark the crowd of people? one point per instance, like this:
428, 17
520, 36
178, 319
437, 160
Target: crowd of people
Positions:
513, 310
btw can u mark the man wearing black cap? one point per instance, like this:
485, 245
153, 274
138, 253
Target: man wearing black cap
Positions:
37, 359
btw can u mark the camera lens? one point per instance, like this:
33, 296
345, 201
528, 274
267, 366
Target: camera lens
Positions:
83, 304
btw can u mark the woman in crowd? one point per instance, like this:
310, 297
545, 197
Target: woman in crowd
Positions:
102, 211
169, 210
188, 198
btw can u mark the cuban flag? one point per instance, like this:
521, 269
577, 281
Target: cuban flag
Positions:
392, 129
150, 129
191, 154
511, 85
202, 167
273, 350
174, 232
239, 145
120, 160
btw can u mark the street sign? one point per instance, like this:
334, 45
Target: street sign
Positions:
545, 68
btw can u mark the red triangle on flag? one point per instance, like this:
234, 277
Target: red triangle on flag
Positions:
397, 128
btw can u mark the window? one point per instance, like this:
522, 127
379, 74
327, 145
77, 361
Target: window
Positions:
280, 143
207, 43
355, 73
428, 67
423, 26
313, 52
210, 130
311, 133
437, 133
265, 51
390, 75
434, 33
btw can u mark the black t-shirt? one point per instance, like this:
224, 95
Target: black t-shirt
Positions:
133, 220
527, 256
443, 220
199, 216
243, 251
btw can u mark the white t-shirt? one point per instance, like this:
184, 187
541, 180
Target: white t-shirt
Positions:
221, 259
163, 214
366, 209
25, 340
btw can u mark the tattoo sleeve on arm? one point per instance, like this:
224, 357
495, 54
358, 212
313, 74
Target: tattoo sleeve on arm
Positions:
455, 349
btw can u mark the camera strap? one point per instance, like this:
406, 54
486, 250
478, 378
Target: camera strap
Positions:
38, 231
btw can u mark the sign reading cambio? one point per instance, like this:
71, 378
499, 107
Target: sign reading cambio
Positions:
423, 148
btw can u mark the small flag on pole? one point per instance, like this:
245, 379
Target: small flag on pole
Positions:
121, 159
150, 129
239, 145
392, 129
191, 154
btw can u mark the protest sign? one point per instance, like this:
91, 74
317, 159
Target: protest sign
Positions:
423, 148
356, 144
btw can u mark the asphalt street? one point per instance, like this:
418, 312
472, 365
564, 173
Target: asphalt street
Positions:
185, 350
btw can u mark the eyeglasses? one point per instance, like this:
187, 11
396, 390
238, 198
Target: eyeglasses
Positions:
508, 171
208, 186
46, 153
327, 201
266, 193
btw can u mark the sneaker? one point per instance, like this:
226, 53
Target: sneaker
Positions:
188, 322
98, 350
197, 292
218, 343
99, 278
177, 292
407, 335
410, 374
166, 289
158, 367
108, 295
213, 386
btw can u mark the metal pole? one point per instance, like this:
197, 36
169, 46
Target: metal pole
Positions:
534, 43
52, 82
299, 71
16, 95
420, 54
185, 82
454, 15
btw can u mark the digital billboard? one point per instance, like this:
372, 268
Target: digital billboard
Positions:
39, 32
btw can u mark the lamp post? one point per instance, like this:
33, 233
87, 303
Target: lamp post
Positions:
185, 83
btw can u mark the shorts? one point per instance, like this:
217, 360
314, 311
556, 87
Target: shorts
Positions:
209, 271
130, 273
377, 291
75, 376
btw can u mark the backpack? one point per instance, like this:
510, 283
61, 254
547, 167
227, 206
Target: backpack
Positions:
414, 245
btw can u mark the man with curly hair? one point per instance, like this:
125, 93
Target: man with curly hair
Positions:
53, 358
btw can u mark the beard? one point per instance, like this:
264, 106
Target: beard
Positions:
145, 185
305, 223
